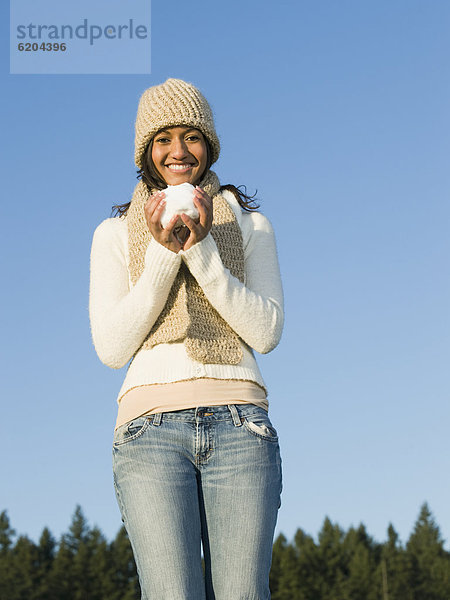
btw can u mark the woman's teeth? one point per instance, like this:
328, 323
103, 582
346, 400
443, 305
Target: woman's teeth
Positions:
179, 167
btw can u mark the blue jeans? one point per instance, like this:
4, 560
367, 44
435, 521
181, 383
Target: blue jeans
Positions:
207, 477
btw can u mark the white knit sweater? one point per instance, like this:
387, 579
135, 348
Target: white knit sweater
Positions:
122, 315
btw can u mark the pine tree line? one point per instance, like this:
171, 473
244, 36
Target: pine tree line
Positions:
352, 566
340, 565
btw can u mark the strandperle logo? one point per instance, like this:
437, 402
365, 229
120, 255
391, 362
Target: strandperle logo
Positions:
84, 31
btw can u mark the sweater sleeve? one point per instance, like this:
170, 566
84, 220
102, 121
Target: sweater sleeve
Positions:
254, 309
121, 316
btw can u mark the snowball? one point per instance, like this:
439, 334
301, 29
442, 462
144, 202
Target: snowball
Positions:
179, 199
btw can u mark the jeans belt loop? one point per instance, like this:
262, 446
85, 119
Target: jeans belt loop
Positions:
235, 415
157, 417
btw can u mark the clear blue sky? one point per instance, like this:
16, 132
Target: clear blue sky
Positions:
338, 114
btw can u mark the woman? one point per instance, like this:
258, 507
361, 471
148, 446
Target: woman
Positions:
195, 457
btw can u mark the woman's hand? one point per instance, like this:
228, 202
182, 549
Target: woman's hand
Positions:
153, 210
198, 231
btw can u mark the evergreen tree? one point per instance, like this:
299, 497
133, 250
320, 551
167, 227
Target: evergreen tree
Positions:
45, 557
362, 555
6, 533
392, 570
309, 566
275, 570
83, 566
124, 575
6, 540
100, 569
60, 578
286, 562
428, 562
24, 561
68, 577
333, 564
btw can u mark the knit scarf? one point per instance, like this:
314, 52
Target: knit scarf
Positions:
188, 315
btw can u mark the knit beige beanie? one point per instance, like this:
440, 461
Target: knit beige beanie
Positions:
170, 104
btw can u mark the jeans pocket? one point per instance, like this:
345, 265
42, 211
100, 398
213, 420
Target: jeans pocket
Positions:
131, 430
261, 427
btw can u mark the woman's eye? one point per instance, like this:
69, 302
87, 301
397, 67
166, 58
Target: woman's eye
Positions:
193, 138
162, 140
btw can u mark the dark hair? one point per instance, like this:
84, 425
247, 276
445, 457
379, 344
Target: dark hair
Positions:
152, 179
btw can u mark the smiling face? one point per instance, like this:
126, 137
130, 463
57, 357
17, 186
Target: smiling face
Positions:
180, 155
